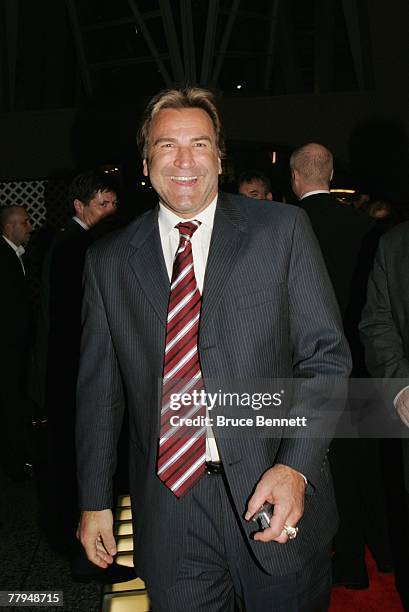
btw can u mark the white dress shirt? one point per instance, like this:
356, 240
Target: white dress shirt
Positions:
169, 236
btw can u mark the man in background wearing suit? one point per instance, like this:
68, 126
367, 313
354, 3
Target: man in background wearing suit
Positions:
384, 325
385, 334
342, 231
220, 313
93, 198
15, 317
348, 239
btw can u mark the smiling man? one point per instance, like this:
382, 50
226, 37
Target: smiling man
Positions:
183, 160
178, 299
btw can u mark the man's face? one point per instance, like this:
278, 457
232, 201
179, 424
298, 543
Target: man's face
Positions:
101, 206
19, 228
183, 160
255, 189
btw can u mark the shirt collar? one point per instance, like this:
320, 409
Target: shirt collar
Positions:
167, 219
78, 220
309, 193
19, 250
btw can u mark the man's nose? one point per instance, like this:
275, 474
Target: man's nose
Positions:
184, 157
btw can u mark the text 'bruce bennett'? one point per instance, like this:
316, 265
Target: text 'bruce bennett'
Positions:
222, 421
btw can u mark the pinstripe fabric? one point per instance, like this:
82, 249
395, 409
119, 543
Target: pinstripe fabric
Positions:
181, 454
268, 311
217, 565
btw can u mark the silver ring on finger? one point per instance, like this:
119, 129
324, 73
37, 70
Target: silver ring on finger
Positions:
290, 531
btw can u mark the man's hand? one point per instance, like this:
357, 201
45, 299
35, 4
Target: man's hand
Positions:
402, 406
96, 535
284, 488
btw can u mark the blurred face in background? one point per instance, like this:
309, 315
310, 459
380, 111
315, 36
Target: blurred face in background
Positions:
255, 189
102, 205
19, 228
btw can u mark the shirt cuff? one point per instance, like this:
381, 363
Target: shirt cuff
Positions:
305, 479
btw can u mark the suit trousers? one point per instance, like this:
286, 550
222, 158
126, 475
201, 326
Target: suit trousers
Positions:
219, 573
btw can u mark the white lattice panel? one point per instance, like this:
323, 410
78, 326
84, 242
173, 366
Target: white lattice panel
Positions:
44, 200
46, 203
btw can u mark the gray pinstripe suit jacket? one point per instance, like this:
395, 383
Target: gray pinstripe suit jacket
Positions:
268, 311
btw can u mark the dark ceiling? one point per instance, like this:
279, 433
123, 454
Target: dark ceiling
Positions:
62, 53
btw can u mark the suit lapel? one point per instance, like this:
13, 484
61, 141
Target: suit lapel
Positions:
12, 257
229, 233
148, 264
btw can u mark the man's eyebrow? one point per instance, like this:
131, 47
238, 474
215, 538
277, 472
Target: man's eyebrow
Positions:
163, 139
169, 139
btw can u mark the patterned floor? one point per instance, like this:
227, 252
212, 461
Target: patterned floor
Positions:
27, 562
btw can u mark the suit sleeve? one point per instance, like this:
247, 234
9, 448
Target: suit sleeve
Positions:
384, 349
100, 401
320, 354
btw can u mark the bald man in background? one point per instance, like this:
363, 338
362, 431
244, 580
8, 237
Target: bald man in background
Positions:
311, 173
348, 240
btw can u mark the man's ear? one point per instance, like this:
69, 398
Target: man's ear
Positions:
79, 207
220, 165
332, 175
145, 168
269, 196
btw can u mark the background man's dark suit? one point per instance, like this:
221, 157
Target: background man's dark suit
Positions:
385, 334
385, 318
348, 244
387, 307
57, 362
256, 323
61, 297
15, 317
348, 240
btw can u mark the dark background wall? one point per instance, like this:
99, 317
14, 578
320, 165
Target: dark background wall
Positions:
366, 129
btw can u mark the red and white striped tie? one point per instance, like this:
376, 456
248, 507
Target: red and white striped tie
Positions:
182, 449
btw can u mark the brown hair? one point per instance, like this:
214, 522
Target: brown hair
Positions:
192, 97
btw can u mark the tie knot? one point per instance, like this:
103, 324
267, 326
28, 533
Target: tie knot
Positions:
187, 228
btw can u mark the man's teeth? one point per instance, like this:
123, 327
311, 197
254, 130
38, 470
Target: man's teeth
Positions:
183, 178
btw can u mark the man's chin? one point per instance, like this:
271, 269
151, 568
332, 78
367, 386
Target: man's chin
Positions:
186, 208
